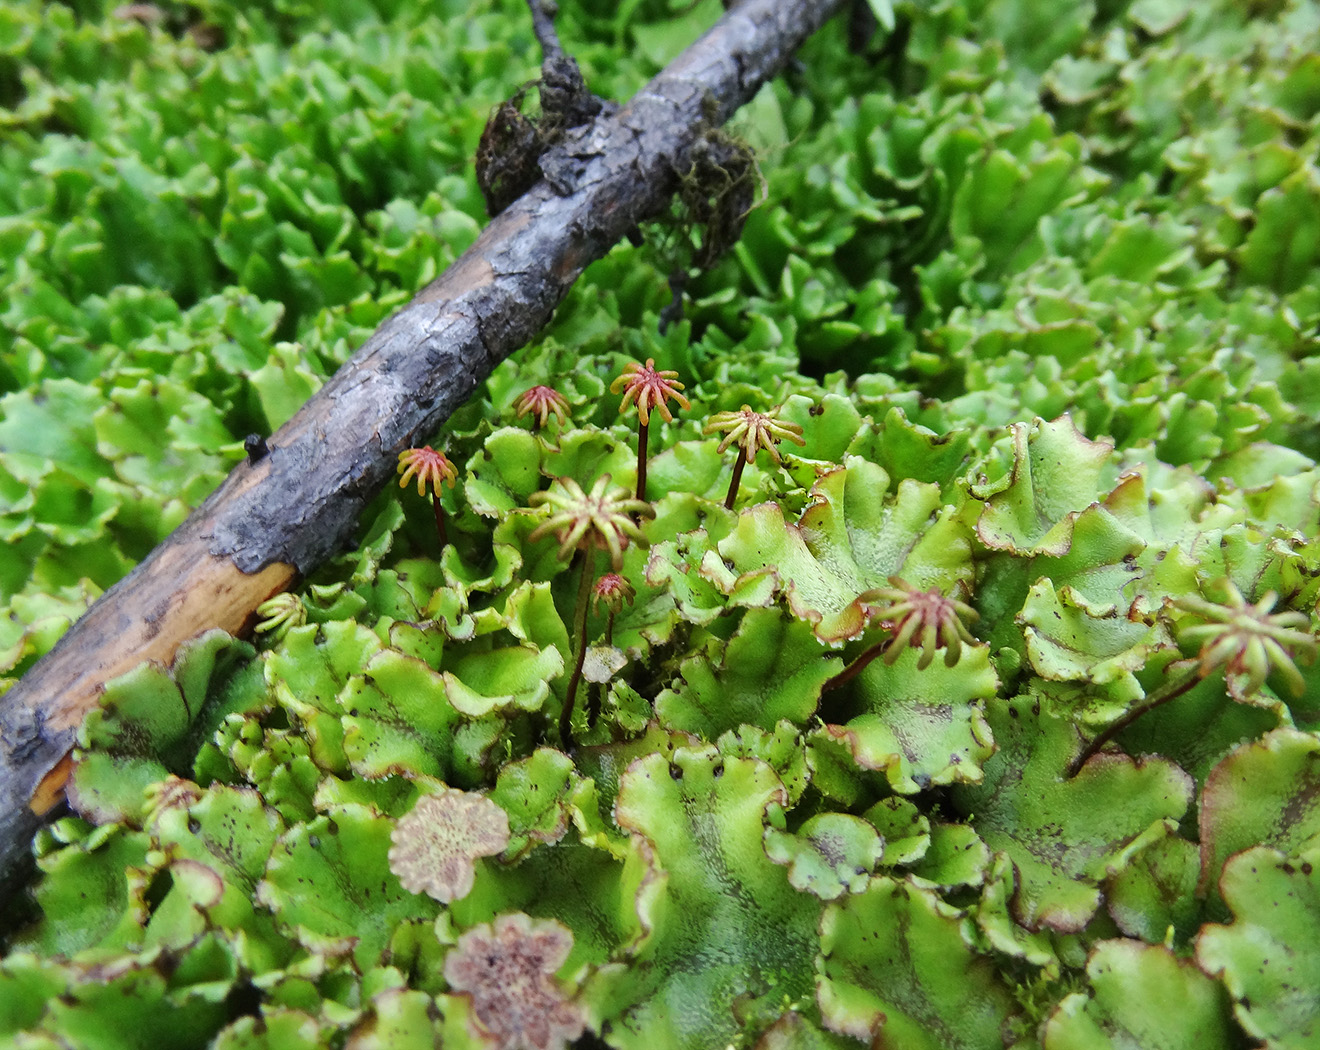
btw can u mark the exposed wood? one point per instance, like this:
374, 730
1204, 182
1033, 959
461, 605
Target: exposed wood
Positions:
287, 512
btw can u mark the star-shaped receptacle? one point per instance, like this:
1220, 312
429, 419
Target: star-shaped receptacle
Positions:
613, 592
649, 389
602, 519
925, 620
1246, 640
1249, 640
753, 431
542, 402
429, 467
280, 614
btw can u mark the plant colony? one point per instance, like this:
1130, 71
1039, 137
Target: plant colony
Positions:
974, 711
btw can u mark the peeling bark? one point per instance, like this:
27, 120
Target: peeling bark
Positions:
285, 513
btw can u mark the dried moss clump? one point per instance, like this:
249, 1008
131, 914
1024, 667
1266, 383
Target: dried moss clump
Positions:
434, 846
508, 970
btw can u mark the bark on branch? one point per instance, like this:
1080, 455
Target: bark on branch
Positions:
283, 515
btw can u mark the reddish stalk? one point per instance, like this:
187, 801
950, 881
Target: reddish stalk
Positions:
1245, 639
1170, 691
642, 429
605, 518
613, 591
580, 629
440, 529
738, 464
856, 667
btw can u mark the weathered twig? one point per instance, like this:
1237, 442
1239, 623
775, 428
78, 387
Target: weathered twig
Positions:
288, 511
543, 25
